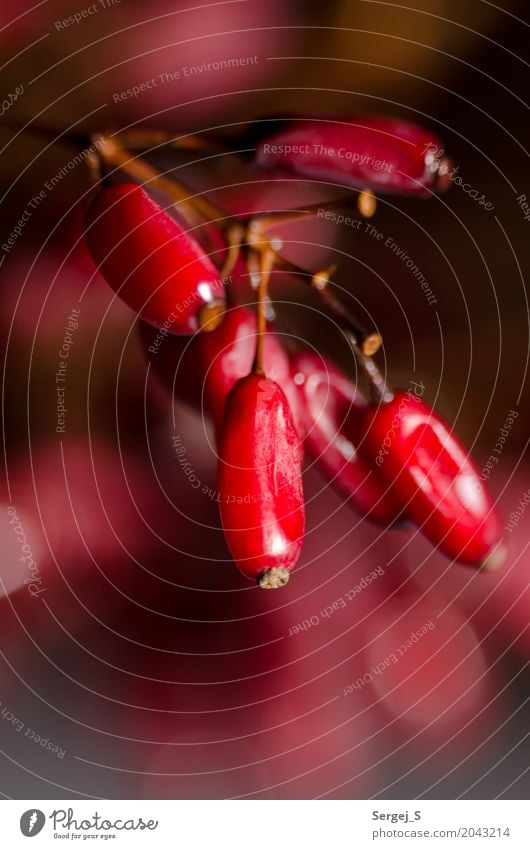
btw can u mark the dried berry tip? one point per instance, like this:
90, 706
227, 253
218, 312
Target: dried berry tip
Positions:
367, 203
495, 559
321, 278
273, 578
210, 315
443, 174
371, 344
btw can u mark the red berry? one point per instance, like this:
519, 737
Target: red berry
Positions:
331, 403
154, 265
260, 482
380, 153
435, 478
226, 355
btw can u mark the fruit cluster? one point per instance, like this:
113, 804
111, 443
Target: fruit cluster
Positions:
391, 456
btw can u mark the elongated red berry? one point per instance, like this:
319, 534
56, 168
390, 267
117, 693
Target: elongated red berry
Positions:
434, 476
331, 407
260, 482
226, 355
365, 151
157, 268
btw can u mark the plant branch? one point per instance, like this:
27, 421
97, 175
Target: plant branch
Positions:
139, 139
267, 260
196, 209
263, 253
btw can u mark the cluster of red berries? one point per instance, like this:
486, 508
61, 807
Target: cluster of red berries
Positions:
393, 458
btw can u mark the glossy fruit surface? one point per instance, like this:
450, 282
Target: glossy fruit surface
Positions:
374, 152
435, 478
157, 268
331, 403
226, 355
260, 483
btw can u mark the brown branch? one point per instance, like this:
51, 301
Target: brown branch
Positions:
267, 260
196, 209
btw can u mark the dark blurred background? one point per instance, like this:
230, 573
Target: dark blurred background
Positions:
135, 661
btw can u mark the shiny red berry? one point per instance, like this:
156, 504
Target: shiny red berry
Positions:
435, 479
331, 404
260, 482
154, 265
386, 154
226, 355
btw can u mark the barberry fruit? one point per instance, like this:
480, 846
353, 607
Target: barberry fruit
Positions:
260, 482
155, 266
386, 154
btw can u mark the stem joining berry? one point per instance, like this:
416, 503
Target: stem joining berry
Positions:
154, 265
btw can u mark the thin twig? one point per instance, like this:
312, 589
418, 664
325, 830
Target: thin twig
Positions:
267, 260
195, 208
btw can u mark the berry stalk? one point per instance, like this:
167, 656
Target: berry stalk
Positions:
195, 209
266, 264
